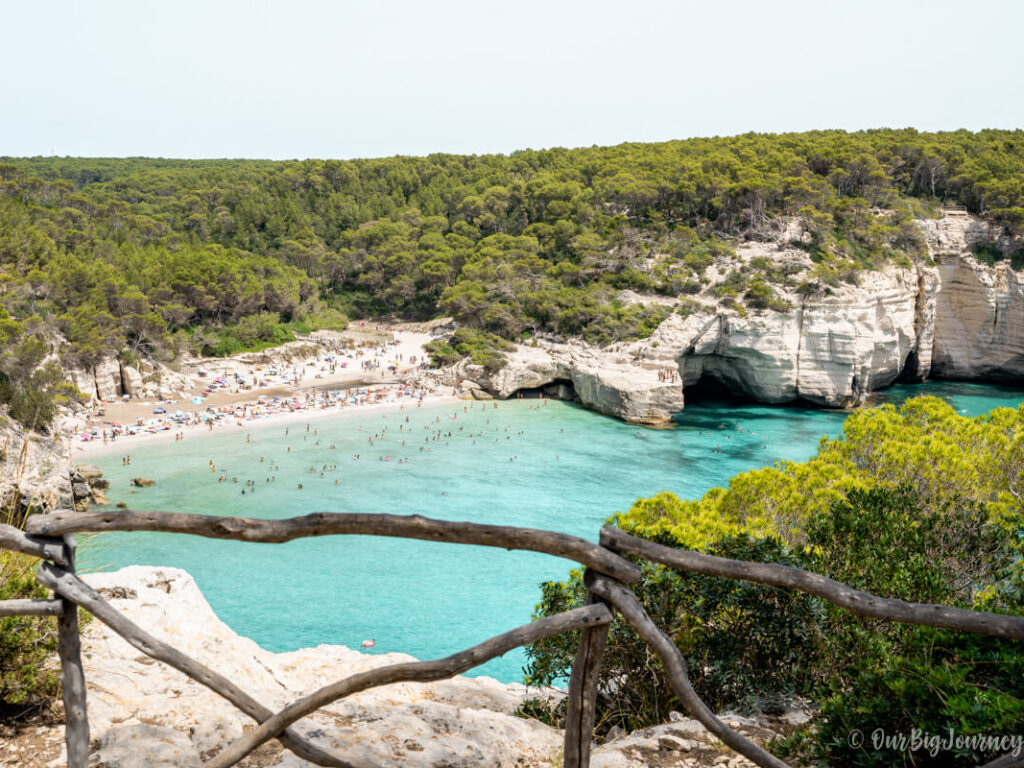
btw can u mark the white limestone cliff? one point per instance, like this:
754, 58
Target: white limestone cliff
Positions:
957, 319
34, 470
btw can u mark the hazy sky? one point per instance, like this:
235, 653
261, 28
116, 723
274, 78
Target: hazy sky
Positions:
331, 78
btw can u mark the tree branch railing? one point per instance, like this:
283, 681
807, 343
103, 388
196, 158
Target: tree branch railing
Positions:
50, 537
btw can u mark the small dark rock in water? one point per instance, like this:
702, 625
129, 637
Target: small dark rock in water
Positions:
122, 505
142, 482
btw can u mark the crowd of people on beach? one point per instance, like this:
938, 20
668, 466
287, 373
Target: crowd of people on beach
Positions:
179, 416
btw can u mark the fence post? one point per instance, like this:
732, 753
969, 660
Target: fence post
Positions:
72, 676
582, 702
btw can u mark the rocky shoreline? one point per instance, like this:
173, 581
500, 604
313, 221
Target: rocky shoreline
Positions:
957, 319
144, 714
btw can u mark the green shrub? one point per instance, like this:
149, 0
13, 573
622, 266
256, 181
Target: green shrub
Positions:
897, 678
26, 642
482, 348
986, 253
918, 504
744, 642
759, 295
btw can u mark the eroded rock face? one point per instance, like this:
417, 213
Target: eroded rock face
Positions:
108, 379
958, 319
609, 381
34, 470
462, 721
831, 350
979, 320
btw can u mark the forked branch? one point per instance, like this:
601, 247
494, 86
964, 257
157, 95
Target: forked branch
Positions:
626, 603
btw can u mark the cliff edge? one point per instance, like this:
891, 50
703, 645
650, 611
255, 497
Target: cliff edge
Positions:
953, 316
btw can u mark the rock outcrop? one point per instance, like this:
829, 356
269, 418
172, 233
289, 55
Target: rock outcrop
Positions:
958, 318
143, 714
979, 321
143, 711
34, 471
682, 742
110, 379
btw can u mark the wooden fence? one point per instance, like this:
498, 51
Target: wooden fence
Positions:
608, 572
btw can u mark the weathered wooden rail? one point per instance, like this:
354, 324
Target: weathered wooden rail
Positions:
51, 538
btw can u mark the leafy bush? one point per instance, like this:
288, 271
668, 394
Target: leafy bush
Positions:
483, 349
744, 642
918, 504
759, 294
26, 642
896, 678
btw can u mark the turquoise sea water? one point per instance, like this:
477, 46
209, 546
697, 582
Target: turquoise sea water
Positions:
554, 466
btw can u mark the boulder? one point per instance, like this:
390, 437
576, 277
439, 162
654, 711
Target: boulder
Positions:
90, 472
108, 379
131, 381
84, 381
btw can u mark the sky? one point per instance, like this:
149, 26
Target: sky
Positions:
339, 79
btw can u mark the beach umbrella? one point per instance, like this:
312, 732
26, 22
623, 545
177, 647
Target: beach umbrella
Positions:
197, 401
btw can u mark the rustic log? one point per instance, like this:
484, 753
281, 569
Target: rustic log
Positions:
31, 608
417, 671
853, 600
626, 603
331, 523
72, 675
581, 706
37, 546
70, 587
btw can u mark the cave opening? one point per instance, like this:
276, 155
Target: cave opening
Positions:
559, 389
709, 389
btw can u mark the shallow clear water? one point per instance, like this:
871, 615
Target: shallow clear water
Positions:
523, 463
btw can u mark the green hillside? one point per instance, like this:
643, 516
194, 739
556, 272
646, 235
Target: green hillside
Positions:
153, 257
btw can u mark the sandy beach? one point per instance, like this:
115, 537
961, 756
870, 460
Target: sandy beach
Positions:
377, 378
